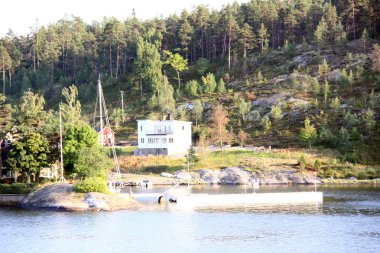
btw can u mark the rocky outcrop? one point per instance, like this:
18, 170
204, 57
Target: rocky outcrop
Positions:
240, 176
234, 175
62, 198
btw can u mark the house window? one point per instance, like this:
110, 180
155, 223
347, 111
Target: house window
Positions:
142, 140
183, 127
163, 140
153, 140
140, 128
171, 140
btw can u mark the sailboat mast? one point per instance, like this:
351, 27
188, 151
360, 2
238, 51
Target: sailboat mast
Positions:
100, 111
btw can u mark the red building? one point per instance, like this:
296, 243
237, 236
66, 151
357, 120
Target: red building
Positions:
107, 135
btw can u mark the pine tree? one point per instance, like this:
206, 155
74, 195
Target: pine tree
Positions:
308, 133
185, 33
198, 111
247, 39
263, 37
326, 90
320, 33
221, 86
375, 58
323, 68
209, 83
5, 63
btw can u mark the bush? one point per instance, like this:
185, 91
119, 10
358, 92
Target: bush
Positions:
302, 162
91, 162
92, 184
17, 188
362, 175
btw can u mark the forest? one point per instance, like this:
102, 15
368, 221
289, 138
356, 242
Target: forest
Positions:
295, 73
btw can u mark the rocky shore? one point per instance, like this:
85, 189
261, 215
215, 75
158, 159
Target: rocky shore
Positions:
60, 197
231, 176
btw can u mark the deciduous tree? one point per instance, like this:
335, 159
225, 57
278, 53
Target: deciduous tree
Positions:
219, 122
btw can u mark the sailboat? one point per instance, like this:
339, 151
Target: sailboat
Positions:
105, 136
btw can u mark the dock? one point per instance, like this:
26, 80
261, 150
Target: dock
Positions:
231, 200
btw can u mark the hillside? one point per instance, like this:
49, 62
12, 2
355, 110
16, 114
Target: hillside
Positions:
270, 64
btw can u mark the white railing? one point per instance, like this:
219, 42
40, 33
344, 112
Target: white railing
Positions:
159, 132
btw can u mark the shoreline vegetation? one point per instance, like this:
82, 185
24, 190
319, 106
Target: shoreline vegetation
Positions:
233, 166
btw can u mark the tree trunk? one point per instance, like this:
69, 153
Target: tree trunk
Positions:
110, 56
229, 51
141, 90
117, 60
353, 20
27, 177
34, 60
125, 63
245, 49
202, 42
15, 176
37, 177
3, 76
10, 78
179, 82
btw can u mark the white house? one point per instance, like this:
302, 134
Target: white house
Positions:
163, 137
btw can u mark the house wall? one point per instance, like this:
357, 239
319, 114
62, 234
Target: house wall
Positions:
107, 134
172, 136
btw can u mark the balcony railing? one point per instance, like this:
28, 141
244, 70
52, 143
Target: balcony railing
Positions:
159, 132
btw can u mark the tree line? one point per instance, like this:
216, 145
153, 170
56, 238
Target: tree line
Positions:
71, 51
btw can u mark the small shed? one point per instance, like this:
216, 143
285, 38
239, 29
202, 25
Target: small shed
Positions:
106, 136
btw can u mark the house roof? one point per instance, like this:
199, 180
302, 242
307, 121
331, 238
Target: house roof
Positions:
186, 122
97, 129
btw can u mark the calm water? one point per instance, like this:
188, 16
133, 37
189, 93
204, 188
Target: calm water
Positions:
348, 221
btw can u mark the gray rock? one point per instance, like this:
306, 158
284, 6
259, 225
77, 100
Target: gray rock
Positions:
254, 115
279, 79
93, 201
234, 175
275, 99
304, 59
333, 76
209, 176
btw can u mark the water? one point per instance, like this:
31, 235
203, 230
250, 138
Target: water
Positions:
348, 221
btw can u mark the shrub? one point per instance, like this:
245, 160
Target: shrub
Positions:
16, 188
317, 164
92, 184
92, 162
302, 162
371, 173
362, 175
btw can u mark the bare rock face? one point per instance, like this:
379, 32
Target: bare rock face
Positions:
61, 197
209, 176
304, 59
333, 76
276, 99
234, 175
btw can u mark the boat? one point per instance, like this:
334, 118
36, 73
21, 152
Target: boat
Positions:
146, 183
